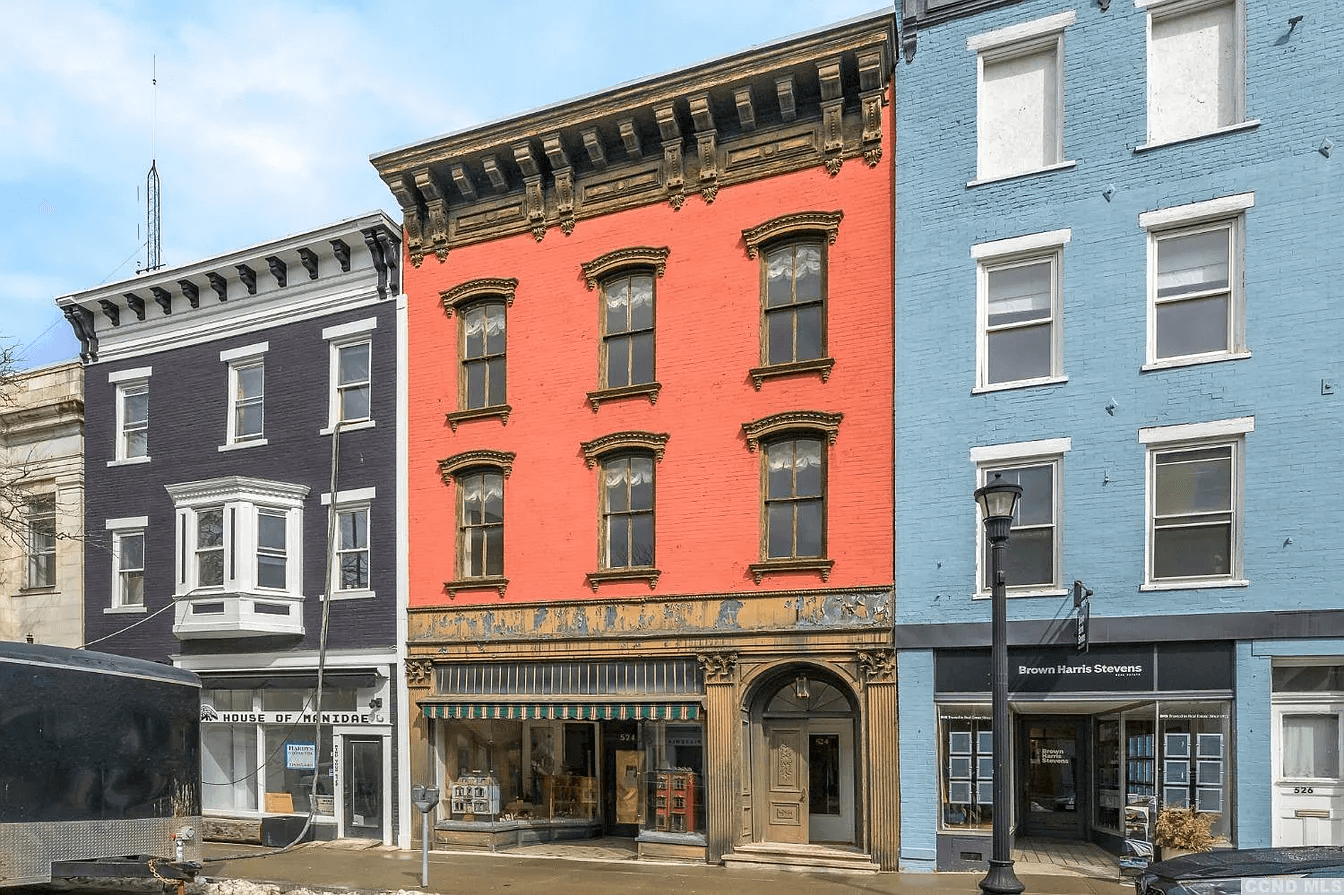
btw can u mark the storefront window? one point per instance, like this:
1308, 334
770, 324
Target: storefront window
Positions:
228, 765
966, 760
672, 800
1196, 760
293, 757
1106, 737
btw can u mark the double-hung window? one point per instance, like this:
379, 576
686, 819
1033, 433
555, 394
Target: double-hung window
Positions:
247, 395
1196, 68
478, 478
350, 525
627, 512
1034, 564
793, 448
1195, 503
1020, 97
40, 519
626, 283
483, 355
351, 374
1020, 309
132, 415
128, 563
1196, 300
795, 290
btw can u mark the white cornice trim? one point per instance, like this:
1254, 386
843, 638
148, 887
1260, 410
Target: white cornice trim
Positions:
1021, 450
128, 375
354, 327
233, 354
1022, 31
126, 522
354, 495
1196, 211
998, 248
1193, 431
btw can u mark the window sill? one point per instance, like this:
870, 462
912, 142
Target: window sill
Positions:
1057, 166
777, 566
1020, 383
498, 411
1195, 584
1192, 360
485, 582
129, 461
124, 610
1013, 595
352, 595
351, 427
43, 589
635, 574
1229, 129
820, 365
644, 389
240, 445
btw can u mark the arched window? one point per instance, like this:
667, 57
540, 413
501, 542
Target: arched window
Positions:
626, 280
482, 306
626, 505
478, 477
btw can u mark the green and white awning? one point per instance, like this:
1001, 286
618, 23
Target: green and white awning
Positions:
569, 711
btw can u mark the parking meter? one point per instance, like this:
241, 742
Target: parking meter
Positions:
425, 798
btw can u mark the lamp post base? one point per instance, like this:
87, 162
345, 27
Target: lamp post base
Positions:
1001, 880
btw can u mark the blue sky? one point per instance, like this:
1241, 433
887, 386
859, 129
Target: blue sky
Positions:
265, 114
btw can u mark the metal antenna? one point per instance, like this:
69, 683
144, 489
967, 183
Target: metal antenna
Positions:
153, 244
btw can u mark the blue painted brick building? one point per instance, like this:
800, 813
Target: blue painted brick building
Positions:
1116, 261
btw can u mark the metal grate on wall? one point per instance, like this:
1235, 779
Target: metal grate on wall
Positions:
642, 678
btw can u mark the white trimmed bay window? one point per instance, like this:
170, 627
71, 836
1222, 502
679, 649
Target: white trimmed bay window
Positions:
238, 566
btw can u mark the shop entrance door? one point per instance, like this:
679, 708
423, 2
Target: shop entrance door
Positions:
624, 781
363, 780
1053, 778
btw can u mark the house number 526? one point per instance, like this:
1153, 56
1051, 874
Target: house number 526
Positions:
1297, 790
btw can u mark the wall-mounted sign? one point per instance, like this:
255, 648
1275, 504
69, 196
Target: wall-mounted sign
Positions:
301, 756
213, 715
1104, 668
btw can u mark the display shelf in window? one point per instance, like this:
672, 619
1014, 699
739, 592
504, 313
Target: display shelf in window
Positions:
570, 796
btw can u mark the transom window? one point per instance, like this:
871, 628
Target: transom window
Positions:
40, 513
483, 355
627, 330
481, 523
795, 293
627, 512
795, 497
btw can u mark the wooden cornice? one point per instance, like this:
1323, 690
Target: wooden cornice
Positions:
449, 467
792, 421
465, 293
815, 100
825, 222
635, 256
654, 442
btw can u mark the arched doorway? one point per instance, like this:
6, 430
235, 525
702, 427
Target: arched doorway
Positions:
804, 768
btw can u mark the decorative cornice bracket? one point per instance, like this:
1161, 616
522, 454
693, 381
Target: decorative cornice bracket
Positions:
191, 291
219, 284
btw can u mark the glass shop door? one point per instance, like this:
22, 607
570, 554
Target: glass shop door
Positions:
363, 783
1054, 778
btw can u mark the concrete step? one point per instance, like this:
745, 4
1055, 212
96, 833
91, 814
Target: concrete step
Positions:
800, 857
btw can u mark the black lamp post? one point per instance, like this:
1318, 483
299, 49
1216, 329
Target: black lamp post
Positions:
998, 501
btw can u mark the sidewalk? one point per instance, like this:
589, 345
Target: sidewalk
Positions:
325, 867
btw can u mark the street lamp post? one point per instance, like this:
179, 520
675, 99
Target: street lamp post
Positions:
998, 501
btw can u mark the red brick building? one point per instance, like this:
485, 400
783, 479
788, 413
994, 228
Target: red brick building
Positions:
649, 445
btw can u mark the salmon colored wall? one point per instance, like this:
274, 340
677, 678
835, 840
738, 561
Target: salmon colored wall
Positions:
708, 525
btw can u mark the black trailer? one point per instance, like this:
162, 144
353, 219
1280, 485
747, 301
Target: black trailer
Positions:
100, 769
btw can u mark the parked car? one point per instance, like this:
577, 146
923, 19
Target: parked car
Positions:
1223, 872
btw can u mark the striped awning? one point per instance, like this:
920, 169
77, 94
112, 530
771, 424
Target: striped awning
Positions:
572, 711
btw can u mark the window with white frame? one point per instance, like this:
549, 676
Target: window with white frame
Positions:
1019, 301
1035, 562
1195, 502
1020, 97
1196, 80
247, 394
132, 415
351, 558
237, 534
351, 373
128, 562
40, 520
1196, 301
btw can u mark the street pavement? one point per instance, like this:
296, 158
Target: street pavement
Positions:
337, 867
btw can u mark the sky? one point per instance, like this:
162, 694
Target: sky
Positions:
260, 117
